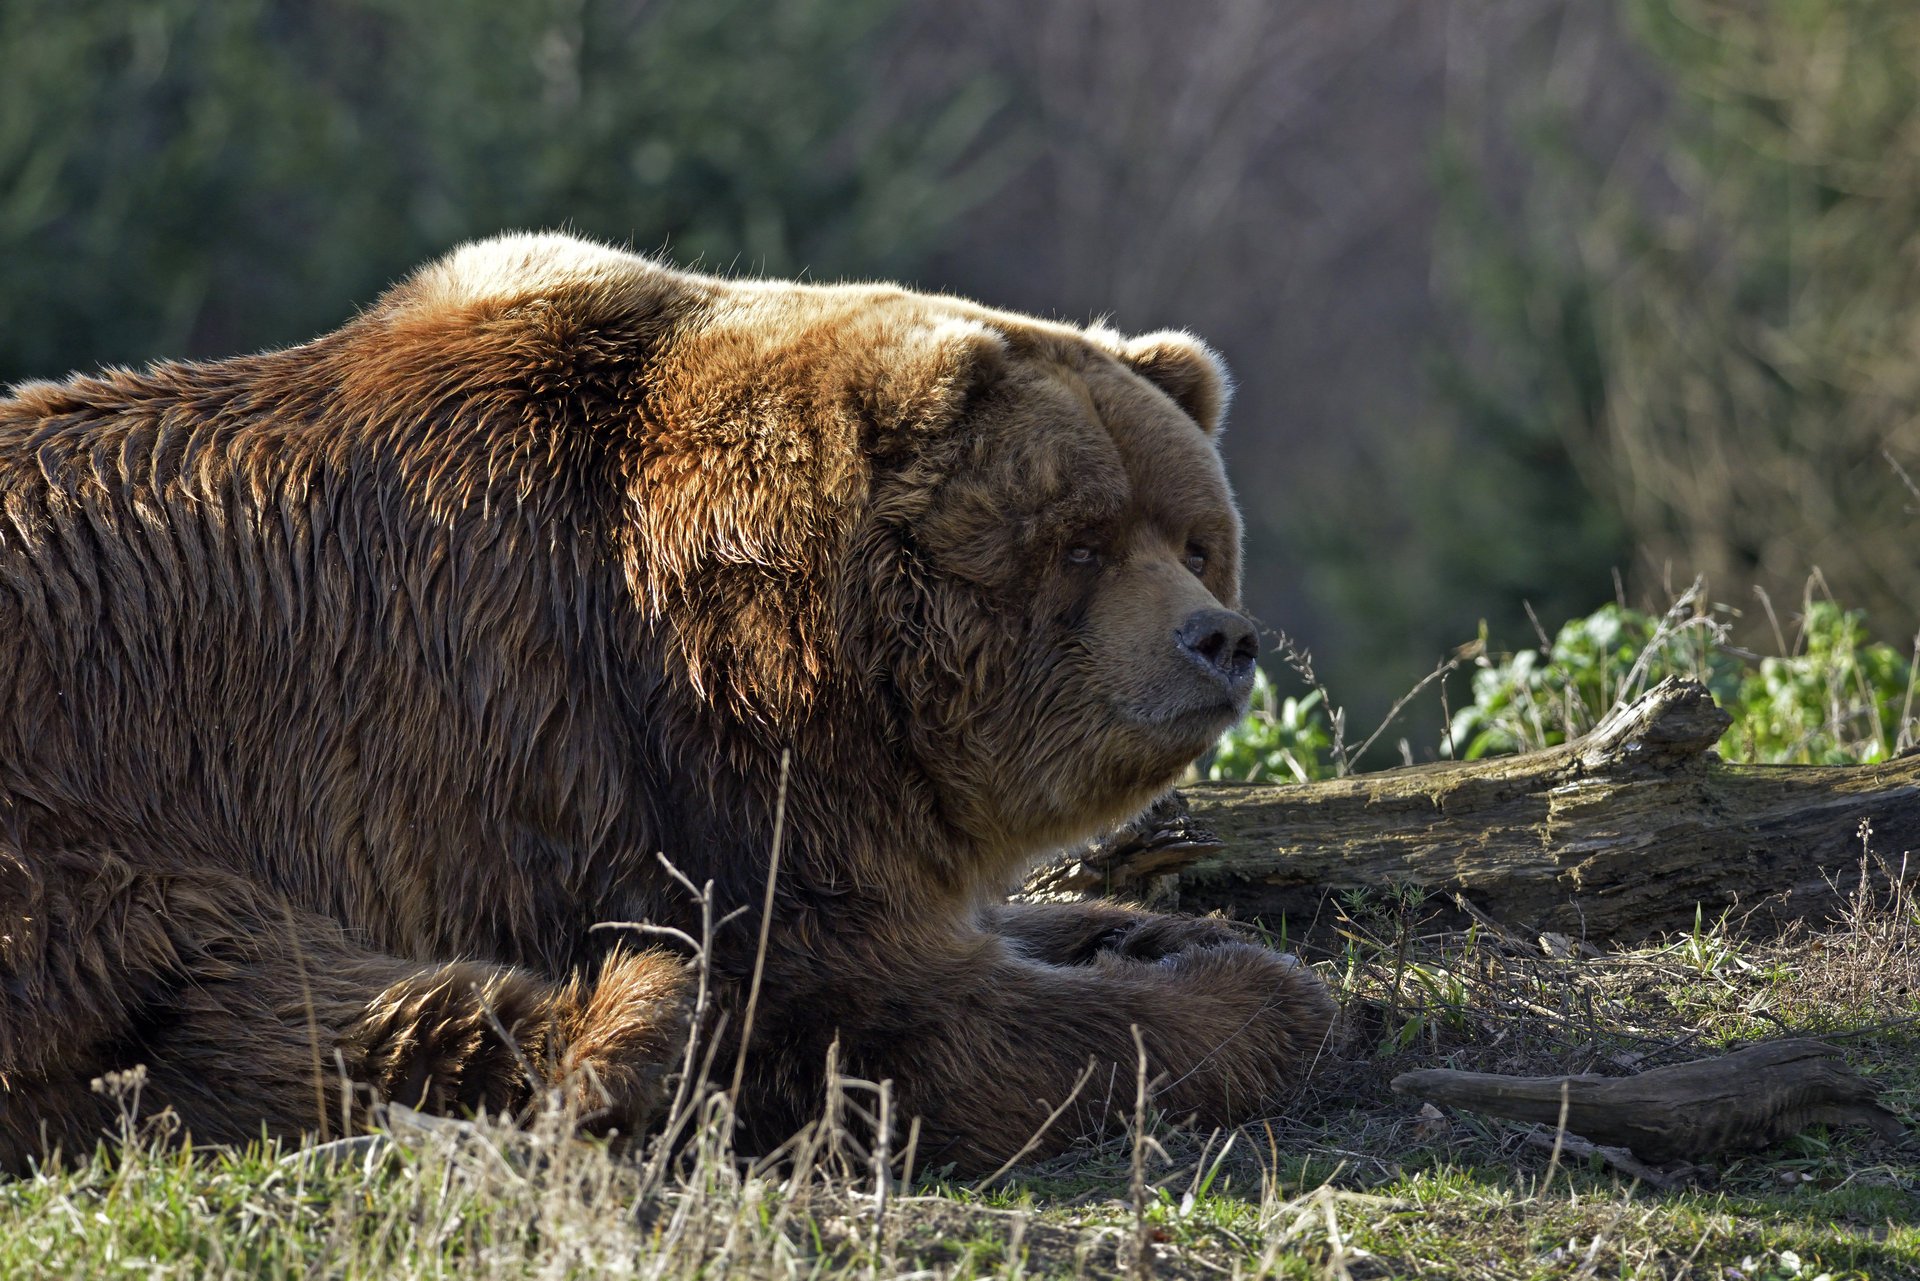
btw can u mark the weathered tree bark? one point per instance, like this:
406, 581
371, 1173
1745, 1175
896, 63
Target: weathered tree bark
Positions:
1747, 1099
1618, 835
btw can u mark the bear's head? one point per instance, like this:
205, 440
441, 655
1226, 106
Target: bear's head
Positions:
998, 552
1065, 553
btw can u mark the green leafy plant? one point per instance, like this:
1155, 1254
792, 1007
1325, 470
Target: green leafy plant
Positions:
1841, 699
1836, 697
1285, 739
1708, 948
1540, 697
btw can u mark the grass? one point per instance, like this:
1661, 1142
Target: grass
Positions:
1351, 1181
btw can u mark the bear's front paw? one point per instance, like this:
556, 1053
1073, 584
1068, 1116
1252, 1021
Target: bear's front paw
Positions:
1155, 938
1251, 1024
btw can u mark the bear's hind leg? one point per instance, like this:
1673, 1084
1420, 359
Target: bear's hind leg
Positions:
431, 1040
245, 1014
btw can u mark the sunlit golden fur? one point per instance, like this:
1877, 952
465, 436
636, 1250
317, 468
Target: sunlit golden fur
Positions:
344, 689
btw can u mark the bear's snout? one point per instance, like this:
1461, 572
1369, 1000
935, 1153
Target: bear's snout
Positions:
1223, 645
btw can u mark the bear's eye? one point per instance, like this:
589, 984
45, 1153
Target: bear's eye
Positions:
1196, 558
1083, 556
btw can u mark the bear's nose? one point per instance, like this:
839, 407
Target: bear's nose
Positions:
1224, 644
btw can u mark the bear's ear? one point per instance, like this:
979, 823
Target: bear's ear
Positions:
1190, 372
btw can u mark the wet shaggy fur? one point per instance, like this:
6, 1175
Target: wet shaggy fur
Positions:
345, 689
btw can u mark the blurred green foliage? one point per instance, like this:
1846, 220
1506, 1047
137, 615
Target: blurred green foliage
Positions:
1687, 348
182, 178
1833, 697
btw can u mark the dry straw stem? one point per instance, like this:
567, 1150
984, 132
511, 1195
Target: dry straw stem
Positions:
1559, 1136
1140, 1140
703, 1043
313, 1022
1053, 1117
766, 927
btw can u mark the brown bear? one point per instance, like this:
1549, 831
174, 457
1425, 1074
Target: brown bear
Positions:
345, 690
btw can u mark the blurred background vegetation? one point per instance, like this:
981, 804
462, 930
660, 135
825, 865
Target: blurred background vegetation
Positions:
1536, 304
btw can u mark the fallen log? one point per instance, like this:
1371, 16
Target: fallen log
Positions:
1618, 835
1748, 1099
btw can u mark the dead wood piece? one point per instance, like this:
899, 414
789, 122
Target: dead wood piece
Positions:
1672, 727
1677, 1175
1163, 839
1614, 837
1748, 1099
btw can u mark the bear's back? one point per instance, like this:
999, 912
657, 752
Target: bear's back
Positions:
312, 633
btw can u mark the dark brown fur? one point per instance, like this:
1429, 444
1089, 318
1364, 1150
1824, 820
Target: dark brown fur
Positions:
344, 689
